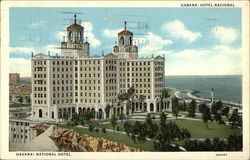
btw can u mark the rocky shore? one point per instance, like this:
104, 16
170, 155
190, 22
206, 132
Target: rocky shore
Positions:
69, 141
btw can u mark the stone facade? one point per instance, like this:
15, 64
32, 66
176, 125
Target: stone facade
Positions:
76, 82
21, 131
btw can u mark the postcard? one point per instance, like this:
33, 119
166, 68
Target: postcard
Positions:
125, 80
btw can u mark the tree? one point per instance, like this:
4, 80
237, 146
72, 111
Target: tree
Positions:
175, 106
225, 111
121, 117
191, 108
107, 110
235, 119
113, 122
235, 143
127, 97
66, 115
20, 99
206, 116
142, 98
202, 107
165, 93
127, 127
217, 117
142, 132
75, 119
163, 119
216, 107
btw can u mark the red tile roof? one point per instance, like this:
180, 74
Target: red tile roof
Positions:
125, 32
75, 26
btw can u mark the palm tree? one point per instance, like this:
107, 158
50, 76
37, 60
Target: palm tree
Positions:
206, 116
113, 122
128, 96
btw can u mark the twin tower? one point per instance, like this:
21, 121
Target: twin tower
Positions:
77, 47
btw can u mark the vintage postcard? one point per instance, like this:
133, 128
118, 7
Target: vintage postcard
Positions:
125, 80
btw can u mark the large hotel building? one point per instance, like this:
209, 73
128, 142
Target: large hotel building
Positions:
76, 82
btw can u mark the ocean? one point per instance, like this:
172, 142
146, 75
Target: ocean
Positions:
226, 87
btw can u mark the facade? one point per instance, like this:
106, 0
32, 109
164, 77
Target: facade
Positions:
76, 82
21, 131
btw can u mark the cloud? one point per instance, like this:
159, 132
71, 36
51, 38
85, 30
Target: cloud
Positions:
20, 65
178, 30
22, 50
152, 44
60, 35
36, 24
88, 28
111, 33
54, 49
217, 60
224, 35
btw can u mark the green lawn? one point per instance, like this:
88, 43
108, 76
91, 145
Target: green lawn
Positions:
196, 128
19, 105
117, 137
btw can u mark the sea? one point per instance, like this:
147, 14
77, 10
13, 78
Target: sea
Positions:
226, 87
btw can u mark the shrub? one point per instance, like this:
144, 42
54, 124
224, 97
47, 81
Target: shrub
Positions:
96, 129
91, 127
104, 130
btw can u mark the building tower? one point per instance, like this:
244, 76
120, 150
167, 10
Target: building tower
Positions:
75, 46
125, 48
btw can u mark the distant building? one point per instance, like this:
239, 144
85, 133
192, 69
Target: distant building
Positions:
14, 79
76, 82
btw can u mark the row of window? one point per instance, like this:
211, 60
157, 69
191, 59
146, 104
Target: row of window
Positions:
135, 63
39, 88
76, 94
88, 75
39, 75
22, 130
22, 123
76, 88
40, 95
40, 82
39, 62
66, 101
76, 62
39, 68
76, 81
17, 136
40, 101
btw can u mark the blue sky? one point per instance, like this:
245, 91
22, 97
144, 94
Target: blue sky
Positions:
195, 41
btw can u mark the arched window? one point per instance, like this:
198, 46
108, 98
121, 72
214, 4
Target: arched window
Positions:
52, 115
122, 41
40, 113
130, 40
70, 36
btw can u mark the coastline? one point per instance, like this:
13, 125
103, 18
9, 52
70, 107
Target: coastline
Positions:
185, 94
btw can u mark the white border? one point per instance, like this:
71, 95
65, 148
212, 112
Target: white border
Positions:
5, 154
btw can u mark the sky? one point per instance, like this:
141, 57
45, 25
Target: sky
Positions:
194, 41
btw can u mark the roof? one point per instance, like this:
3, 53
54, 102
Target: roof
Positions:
125, 32
75, 26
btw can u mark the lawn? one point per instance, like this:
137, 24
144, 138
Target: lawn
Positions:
117, 137
19, 105
196, 128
